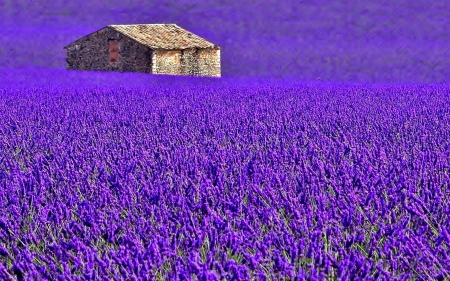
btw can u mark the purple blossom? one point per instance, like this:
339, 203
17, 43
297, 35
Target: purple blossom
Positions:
94, 185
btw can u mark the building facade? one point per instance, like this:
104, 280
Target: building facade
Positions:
149, 48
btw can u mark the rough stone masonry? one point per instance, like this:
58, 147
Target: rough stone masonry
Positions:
110, 50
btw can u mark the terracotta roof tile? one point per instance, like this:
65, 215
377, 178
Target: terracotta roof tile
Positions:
162, 36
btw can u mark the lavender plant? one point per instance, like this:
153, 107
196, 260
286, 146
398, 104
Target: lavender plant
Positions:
234, 183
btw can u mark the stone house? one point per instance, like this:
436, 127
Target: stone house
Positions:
150, 48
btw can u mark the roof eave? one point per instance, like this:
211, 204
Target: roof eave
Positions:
213, 46
131, 38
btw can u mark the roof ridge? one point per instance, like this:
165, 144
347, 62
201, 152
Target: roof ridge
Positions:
162, 36
128, 24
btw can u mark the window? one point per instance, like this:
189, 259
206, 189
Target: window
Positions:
113, 56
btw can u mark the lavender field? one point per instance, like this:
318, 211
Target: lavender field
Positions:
365, 41
323, 152
243, 183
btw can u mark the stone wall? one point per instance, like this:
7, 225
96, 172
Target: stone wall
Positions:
166, 62
194, 61
92, 52
208, 62
189, 62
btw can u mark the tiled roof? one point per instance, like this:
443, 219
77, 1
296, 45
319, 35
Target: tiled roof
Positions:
163, 36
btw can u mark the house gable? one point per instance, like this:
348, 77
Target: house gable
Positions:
107, 49
95, 33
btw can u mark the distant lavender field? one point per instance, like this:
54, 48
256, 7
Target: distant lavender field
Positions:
323, 152
365, 41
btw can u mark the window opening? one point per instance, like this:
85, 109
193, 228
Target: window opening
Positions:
113, 52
